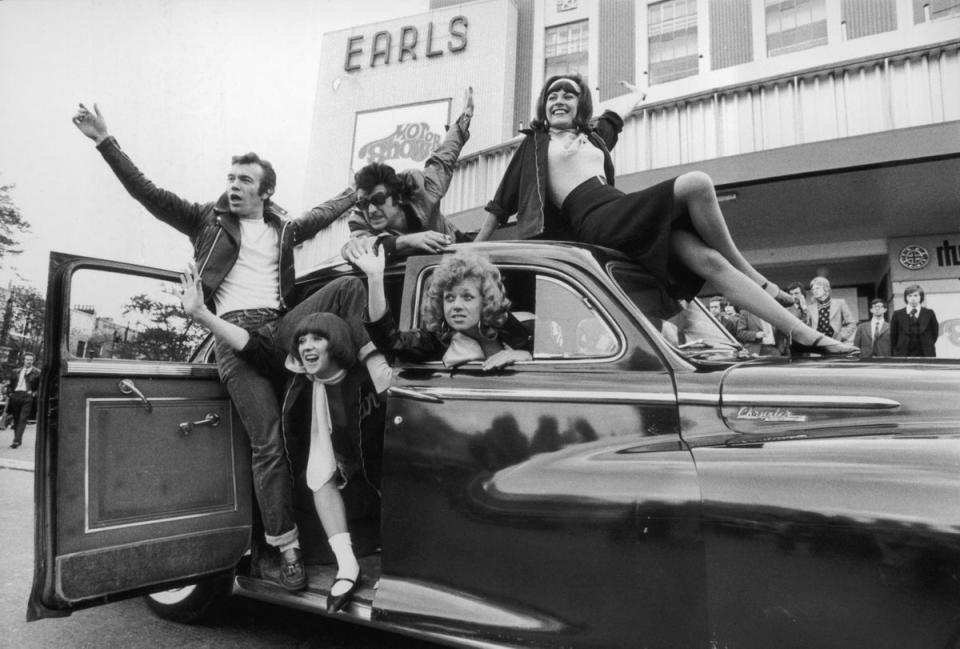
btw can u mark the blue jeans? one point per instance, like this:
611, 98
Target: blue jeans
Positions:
255, 397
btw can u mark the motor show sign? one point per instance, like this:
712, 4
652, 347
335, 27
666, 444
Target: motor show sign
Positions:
401, 136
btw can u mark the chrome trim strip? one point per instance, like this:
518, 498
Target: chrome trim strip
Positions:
477, 394
140, 368
698, 399
808, 401
87, 529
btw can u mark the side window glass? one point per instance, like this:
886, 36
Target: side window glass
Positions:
130, 317
567, 325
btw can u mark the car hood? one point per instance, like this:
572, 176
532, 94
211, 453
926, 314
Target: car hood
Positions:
800, 398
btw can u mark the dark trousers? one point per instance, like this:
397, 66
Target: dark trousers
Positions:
20, 406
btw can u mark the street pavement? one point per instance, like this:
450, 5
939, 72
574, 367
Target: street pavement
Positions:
22, 458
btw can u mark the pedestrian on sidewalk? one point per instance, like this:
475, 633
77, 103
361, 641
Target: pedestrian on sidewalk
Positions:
24, 382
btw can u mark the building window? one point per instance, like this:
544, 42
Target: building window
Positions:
565, 49
927, 10
672, 38
794, 25
867, 17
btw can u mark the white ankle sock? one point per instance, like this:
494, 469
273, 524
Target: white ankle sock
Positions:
347, 566
380, 371
292, 544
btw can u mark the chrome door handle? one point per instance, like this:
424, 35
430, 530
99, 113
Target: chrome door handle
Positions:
211, 419
127, 386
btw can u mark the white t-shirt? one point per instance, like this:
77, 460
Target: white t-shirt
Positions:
254, 280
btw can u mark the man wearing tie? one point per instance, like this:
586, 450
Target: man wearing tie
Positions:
873, 336
24, 383
914, 329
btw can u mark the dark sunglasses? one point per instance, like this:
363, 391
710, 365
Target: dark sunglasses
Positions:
377, 199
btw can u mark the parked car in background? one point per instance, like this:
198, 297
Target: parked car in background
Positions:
641, 482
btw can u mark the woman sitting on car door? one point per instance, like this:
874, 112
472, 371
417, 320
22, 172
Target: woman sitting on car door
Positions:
464, 317
321, 403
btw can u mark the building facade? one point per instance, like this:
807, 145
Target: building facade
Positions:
830, 127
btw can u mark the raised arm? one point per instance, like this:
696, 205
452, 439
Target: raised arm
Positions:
438, 170
191, 295
185, 216
372, 265
323, 215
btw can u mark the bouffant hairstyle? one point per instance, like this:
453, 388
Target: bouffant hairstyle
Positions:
453, 270
914, 288
268, 184
584, 107
334, 330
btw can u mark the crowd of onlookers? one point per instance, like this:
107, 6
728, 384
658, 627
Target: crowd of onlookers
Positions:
910, 331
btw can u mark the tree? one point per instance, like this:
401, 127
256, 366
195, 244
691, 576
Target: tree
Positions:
166, 335
12, 224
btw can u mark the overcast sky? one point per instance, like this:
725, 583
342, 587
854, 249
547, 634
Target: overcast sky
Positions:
183, 84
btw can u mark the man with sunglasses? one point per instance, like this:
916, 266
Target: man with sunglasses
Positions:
400, 211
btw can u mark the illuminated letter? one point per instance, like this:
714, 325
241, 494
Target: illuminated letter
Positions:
459, 41
352, 51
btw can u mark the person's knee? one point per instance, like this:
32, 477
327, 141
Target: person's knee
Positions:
713, 263
695, 186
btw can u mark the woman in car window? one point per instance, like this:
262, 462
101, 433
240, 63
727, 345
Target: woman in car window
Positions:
465, 315
560, 185
321, 405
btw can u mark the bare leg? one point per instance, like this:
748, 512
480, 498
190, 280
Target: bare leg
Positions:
333, 517
695, 190
743, 293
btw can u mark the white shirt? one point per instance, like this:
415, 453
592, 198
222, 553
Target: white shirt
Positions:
254, 280
22, 381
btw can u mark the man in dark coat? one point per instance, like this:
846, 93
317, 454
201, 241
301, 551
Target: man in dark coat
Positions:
23, 385
914, 329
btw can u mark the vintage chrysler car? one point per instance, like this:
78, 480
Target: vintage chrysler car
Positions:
641, 482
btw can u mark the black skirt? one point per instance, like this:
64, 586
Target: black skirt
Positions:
638, 224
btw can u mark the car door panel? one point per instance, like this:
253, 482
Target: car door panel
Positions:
146, 467
559, 484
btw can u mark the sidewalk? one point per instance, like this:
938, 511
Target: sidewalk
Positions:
20, 459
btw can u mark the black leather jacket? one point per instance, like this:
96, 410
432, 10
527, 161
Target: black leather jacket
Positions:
523, 190
214, 231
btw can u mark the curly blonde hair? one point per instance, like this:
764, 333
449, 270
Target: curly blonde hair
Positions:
453, 270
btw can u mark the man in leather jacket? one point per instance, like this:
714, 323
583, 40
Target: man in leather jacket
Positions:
243, 250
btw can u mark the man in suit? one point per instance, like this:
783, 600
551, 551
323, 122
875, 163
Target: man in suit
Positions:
24, 383
914, 329
831, 317
756, 335
873, 336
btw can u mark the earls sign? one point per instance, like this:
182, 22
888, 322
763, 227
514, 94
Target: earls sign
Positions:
410, 42
923, 258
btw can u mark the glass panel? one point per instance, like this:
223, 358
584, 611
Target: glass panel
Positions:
672, 40
565, 48
567, 325
794, 25
133, 317
688, 326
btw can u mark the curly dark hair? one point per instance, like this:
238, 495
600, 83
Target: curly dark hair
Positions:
454, 269
584, 106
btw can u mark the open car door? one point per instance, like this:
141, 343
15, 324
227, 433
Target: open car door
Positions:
142, 465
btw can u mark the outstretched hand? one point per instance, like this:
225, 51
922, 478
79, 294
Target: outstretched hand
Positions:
368, 261
626, 104
505, 357
93, 125
468, 102
191, 291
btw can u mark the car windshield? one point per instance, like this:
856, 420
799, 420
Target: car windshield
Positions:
687, 326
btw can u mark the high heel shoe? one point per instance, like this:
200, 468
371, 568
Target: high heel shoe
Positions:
826, 346
778, 293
